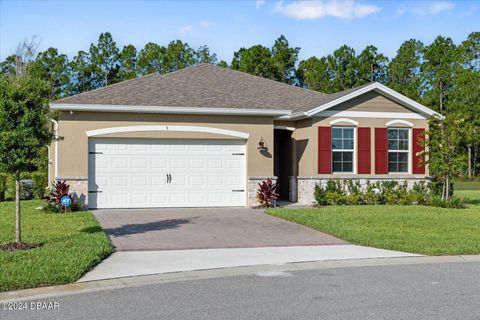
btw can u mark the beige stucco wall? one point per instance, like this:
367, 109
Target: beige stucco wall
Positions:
73, 148
371, 102
306, 134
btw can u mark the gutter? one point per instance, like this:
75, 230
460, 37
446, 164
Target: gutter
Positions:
168, 109
55, 128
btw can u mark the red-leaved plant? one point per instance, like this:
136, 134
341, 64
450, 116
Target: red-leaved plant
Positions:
60, 189
267, 193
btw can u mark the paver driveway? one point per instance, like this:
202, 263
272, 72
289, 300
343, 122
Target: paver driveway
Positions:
176, 229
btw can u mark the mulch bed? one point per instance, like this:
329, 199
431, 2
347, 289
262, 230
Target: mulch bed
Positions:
15, 246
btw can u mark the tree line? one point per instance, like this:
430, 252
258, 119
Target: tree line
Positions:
441, 75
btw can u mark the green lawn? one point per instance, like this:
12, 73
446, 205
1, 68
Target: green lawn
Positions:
417, 229
466, 185
72, 244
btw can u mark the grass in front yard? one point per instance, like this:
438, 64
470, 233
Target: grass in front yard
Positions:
72, 244
469, 196
416, 229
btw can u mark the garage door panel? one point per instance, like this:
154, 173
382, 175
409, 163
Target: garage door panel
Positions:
132, 173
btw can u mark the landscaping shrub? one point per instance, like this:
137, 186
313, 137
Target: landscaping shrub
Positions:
3, 185
338, 192
267, 193
39, 184
453, 203
59, 189
371, 194
53, 203
436, 187
354, 193
335, 192
320, 195
420, 192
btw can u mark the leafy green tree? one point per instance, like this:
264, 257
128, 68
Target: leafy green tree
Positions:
203, 55
438, 71
104, 57
24, 128
7, 67
343, 65
256, 60
127, 63
223, 64
466, 96
445, 157
315, 74
54, 68
179, 55
284, 59
372, 66
404, 69
277, 63
81, 74
151, 59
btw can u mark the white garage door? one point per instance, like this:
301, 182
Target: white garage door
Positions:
142, 173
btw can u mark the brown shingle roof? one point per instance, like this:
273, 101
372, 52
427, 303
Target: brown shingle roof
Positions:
203, 85
332, 96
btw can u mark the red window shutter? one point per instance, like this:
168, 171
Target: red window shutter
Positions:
381, 151
324, 150
418, 158
364, 156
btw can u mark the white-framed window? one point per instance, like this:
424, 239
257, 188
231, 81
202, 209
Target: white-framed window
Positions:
343, 147
398, 149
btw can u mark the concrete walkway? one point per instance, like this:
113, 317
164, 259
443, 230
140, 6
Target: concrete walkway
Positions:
134, 263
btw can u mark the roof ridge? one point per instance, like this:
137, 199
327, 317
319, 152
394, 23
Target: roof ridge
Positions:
214, 89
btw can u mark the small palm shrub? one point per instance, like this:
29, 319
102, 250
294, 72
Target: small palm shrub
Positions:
59, 189
53, 204
267, 193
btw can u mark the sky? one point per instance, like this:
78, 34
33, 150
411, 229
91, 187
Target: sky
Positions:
318, 27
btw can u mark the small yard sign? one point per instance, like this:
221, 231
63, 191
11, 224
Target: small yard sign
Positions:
66, 201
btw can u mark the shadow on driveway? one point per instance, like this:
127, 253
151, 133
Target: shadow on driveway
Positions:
128, 229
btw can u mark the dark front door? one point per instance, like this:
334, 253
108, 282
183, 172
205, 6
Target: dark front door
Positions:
283, 161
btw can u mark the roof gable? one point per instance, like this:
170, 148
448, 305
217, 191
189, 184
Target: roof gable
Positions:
344, 96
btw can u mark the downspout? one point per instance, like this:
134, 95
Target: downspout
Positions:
55, 128
49, 179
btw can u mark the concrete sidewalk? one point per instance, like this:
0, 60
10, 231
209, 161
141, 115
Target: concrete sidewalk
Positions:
135, 263
146, 280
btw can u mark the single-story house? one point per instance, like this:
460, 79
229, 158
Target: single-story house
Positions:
206, 136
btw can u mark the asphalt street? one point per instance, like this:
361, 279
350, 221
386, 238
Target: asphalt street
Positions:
422, 291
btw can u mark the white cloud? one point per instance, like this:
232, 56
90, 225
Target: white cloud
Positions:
206, 24
317, 9
259, 3
436, 7
426, 8
185, 30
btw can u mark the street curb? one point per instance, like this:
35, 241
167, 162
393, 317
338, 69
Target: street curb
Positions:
136, 281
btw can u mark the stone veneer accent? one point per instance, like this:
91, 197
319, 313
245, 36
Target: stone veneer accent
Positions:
252, 186
305, 185
78, 188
